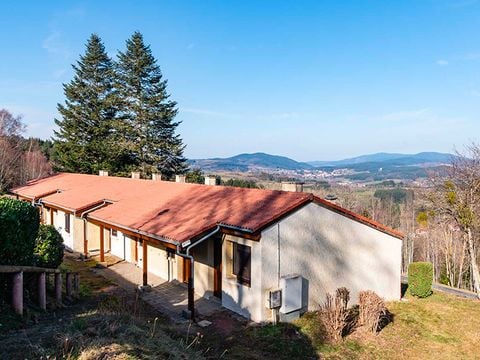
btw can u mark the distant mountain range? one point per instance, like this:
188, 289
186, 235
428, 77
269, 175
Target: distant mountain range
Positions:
390, 158
245, 162
257, 161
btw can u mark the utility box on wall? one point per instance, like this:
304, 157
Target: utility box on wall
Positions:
274, 299
291, 286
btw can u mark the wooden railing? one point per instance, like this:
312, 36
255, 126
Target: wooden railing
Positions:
72, 285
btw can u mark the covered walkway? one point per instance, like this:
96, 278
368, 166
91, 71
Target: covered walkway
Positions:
170, 298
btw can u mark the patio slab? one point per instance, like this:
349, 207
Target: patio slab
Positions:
169, 298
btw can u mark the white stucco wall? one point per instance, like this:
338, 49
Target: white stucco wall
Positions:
243, 299
329, 251
59, 223
118, 245
204, 271
159, 264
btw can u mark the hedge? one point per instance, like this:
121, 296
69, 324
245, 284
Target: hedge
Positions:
48, 247
19, 223
420, 279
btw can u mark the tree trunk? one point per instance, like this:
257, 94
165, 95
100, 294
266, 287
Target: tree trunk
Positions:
460, 271
473, 261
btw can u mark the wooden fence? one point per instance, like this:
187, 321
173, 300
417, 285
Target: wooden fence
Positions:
72, 285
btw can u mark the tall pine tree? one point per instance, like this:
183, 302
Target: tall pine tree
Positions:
87, 140
147, 111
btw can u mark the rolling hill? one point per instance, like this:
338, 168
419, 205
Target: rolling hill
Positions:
390, 159
245, 162
372, 162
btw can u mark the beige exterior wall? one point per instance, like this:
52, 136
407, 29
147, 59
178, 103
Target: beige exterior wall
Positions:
45, 214
329, 251
78, 231
243, 299
59, 223
93, 236
106, 239
158, 263
204, 271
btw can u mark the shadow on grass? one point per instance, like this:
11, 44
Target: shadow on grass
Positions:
403, 289
282, 341
115, 328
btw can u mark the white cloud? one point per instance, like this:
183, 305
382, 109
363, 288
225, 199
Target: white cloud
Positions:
259, 117
419, 114
57, 74
442, 62
56, 45
207, 112
475, 56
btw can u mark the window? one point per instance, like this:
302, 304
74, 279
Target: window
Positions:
242, 263
67, 223
114, 232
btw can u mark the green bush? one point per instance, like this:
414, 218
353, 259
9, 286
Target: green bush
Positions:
19, 223
48, 247
420, 279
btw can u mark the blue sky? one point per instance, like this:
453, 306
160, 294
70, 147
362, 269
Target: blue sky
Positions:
306, 79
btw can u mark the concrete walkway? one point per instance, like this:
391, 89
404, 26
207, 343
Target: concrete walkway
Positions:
448, 289
169, 298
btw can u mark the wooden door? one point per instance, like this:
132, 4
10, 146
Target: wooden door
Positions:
217, 267
186, 269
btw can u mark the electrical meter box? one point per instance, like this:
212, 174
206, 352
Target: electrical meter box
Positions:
291, 286
274, 299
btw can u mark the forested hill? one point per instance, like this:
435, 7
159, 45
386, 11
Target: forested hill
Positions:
256, 161
245, 162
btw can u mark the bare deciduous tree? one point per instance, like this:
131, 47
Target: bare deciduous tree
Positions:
17, 163
458, 200
11, 128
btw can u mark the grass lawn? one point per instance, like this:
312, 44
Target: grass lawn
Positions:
438, 327
108, 323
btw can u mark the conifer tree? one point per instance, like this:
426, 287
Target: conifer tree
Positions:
147, 111
87, 140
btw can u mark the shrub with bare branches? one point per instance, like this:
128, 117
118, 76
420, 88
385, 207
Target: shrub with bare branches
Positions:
371, 310
333, 314
344, 295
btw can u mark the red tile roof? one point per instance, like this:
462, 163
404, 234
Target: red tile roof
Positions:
174, 211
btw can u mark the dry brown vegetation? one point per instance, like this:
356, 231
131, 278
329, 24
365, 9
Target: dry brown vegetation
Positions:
20, 160
438, 327
372, 309
103, 325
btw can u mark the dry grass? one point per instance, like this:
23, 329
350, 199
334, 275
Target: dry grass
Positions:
440, 326
107, 323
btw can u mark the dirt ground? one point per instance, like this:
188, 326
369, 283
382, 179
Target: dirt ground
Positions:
116, 321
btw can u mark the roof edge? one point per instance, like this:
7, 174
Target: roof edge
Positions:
360, 218
138, 231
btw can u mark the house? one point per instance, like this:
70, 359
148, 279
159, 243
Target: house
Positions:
239, 245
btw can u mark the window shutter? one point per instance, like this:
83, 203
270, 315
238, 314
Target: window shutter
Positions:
229, 257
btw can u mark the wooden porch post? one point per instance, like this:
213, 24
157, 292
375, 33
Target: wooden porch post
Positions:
102, 244
68, 285
76, 285
85, 241
51, 216
191, 289
42, 291
17, 293
58, 289
144, 262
